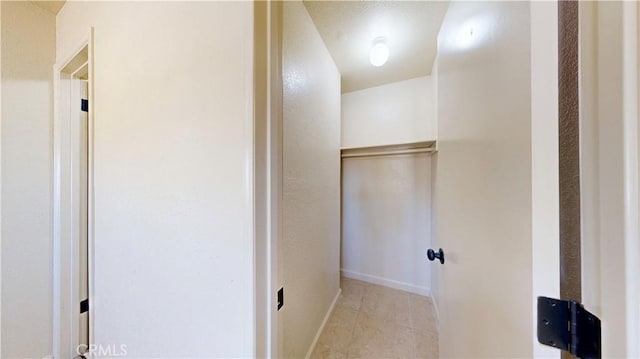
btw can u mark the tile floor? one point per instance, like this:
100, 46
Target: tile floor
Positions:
372, 321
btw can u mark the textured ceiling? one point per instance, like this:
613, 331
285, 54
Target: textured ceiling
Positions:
51, 6
348, 29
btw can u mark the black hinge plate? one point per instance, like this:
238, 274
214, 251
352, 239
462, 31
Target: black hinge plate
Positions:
568, 326
84, 306
280, 298
84, 105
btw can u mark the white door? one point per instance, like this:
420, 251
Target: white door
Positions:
495, 182
483, 181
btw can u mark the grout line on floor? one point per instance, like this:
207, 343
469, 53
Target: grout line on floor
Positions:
368, 288
413, 334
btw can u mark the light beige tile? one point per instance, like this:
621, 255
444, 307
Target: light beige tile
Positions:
387, 303
325, 352
337, 332
352, 292
421, 298
376, 337
426, 344
421, 312
350, 281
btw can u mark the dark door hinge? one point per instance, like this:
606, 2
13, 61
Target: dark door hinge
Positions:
280, 298
84, 306
84, 105
566, 325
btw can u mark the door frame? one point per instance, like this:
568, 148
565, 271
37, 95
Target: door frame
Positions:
609, 45
65, 260
268, 181
267, 174
545, 210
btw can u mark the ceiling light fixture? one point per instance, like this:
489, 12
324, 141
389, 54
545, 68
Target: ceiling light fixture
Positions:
379, 52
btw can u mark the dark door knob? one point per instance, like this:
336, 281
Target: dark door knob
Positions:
432, 255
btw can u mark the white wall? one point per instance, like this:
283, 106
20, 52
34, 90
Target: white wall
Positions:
399, 112
483, 181
386, 220
28, 54
310, 247
173, 174
386, 201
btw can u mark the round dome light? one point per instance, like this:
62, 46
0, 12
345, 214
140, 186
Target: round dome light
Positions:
379, 53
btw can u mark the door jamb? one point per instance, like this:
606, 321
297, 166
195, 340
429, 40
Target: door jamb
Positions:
268, 173
610, 83
64, 315
631, 127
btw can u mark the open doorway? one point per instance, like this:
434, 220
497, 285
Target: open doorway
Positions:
358, 132
495, 179
73, 205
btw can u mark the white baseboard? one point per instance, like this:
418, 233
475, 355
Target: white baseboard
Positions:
324, 322
407, 287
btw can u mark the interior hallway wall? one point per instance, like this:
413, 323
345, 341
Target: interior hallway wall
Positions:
173, 137
386, 221
399, 112
28, 55
309, 256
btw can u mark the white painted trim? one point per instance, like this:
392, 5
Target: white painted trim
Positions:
267, 102
91, 190
74, 177
630, 101
274, 158
324, 323
609, 65
59, 333
268, 181
1, 193
545, 210
407, 287
61, 64
55, 181
75, 73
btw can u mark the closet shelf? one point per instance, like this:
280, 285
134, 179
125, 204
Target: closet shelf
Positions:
389, 150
